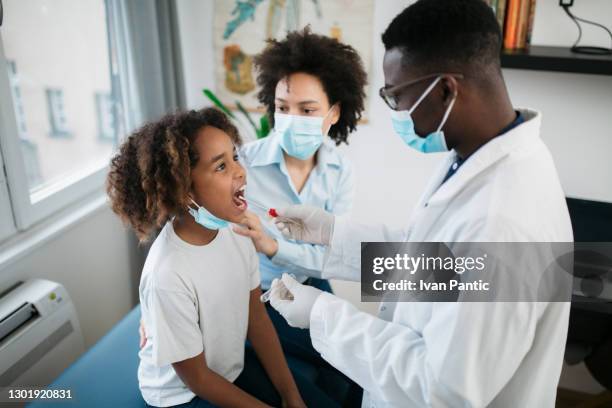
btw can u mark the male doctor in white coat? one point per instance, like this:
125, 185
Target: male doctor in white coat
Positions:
498, 183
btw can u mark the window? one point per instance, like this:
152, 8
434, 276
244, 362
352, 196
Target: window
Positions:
18, 103
89, 70
56, 137
105, 117
57, 114
29, 150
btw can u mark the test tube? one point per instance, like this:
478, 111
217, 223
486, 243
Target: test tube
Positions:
286, 295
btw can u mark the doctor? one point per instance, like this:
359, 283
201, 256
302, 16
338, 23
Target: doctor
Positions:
444, 85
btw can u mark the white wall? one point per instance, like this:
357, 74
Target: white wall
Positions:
577, 121
576, 124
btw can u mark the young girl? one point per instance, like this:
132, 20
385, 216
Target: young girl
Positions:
199, 289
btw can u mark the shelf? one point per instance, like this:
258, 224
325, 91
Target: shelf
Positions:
559, 59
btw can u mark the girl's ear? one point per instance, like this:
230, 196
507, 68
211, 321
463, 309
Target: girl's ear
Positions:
190, 199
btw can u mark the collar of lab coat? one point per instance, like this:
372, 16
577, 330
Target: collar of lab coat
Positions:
523, 137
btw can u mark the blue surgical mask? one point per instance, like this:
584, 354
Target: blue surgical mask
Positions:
404, 127
300, 136
203, 217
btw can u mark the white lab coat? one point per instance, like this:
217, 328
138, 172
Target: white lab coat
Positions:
457, 354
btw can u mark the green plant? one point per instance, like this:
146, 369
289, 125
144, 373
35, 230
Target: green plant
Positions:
261, 131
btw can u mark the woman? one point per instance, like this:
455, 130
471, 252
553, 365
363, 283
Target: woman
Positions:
313, 89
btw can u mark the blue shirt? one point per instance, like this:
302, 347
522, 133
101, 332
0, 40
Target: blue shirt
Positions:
330, 186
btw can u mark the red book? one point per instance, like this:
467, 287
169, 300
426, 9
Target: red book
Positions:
512, 16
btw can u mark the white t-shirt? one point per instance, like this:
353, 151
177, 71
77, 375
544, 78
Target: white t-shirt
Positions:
193, 299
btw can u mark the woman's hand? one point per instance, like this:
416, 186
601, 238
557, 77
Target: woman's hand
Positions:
143, 334
252, 228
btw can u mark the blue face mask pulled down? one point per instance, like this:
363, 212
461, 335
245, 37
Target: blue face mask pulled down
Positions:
404, 127
205, 218
300, 136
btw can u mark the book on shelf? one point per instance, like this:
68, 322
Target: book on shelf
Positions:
511, 24
521, 25
500, 13
530, 20
515, 18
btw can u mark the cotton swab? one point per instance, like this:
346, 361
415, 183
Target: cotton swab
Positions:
258, 205
270, 211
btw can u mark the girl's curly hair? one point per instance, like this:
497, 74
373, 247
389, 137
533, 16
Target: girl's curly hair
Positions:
337, 65
150, 177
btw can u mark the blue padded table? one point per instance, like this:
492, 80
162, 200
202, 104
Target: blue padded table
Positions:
107, 374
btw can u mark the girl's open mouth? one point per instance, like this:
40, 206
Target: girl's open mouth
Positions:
239, 200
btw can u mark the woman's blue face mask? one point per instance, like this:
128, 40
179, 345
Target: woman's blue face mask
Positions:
300, 136
403, 124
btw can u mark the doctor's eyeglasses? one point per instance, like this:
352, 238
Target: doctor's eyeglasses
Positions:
391, 96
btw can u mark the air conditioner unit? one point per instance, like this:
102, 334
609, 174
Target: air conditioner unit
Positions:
39, 333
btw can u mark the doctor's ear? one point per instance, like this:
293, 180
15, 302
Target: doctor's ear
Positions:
449, 88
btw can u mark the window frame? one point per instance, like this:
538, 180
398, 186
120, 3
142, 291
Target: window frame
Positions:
7, 222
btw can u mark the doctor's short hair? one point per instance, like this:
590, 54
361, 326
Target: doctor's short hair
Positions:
447, 36
337, 65
150, 177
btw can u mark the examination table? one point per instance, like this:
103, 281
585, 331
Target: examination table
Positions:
106, 375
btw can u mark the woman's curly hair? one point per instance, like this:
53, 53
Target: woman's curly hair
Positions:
150, 177
337, 65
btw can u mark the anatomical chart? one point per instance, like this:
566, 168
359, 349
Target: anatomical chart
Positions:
241, 28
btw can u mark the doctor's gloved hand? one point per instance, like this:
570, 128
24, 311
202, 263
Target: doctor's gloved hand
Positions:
305, 223
297, 310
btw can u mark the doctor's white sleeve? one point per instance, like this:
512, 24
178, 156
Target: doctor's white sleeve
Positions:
343, 256
465, 355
